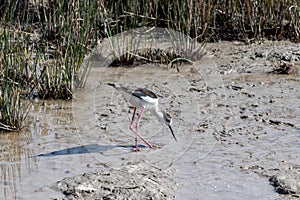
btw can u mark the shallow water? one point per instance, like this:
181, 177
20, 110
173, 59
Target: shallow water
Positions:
215, 148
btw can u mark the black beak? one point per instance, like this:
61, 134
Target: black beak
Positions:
172, 132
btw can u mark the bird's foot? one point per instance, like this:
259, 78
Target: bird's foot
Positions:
150, 145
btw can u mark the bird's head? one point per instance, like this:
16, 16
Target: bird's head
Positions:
168, 121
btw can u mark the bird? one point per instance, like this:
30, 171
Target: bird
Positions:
144, 99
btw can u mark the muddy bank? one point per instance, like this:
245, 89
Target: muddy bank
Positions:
131, 181
269, 110
241, 139
235, 115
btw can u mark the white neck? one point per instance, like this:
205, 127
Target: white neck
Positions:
157, 113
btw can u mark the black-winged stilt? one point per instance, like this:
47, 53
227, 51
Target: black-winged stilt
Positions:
144, 99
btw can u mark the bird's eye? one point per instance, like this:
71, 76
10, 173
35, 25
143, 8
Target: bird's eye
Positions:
168, 118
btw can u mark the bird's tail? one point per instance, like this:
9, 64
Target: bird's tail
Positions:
112, 84
118, 87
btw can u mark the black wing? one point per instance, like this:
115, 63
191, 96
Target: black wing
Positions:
142, 92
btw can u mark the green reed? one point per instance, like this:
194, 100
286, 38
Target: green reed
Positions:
215, 20
42, 49
14, 65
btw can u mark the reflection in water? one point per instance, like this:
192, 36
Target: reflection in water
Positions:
11, 155
16, 149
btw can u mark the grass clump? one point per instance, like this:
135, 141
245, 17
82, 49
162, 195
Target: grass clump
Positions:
43, 46
204, 20
14, 79
216, 20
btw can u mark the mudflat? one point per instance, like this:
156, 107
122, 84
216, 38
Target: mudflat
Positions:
235, 112
236, 116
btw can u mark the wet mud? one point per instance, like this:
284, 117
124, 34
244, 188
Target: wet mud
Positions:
234, 110
236, 115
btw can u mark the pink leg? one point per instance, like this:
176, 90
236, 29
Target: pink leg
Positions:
131, 128
137, 125
136, 131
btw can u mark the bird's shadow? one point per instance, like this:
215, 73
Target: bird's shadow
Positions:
85, 149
